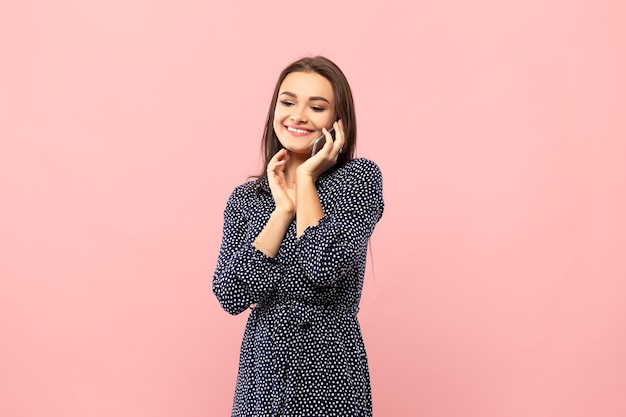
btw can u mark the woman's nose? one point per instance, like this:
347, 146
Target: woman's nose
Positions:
297, 116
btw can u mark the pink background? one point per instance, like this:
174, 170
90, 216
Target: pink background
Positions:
498, 281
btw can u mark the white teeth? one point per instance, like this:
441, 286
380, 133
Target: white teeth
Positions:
300, 131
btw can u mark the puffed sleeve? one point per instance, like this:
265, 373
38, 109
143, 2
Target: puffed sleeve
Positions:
243, 274
339, 241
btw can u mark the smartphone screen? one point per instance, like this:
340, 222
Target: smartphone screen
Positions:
321, 141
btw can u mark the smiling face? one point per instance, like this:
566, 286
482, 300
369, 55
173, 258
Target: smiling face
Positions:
305, 105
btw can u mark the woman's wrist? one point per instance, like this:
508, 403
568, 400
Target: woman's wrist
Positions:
283, 215
263, 248
305, 177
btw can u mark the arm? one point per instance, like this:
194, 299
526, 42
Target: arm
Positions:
333, 245
269, 239
309, 208
243, 274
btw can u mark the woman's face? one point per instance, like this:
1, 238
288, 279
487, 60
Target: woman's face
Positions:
305, 105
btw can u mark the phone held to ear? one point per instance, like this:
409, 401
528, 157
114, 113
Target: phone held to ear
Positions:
319, 142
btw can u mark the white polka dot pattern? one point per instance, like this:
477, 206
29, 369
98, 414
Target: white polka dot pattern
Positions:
302, 353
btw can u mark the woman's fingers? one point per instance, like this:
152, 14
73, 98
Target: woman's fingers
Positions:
328, 155
280, 156
276, 166
277, 181
339, 138
334, 147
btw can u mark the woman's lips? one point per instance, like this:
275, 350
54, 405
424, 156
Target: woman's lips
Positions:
298, 131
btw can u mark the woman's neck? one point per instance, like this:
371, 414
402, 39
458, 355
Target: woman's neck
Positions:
295, 160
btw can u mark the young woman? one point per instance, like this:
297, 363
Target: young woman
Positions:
294, 251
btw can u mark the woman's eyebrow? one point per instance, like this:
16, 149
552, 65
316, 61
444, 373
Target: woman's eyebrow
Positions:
312, 98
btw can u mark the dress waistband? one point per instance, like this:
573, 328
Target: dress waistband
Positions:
297, 305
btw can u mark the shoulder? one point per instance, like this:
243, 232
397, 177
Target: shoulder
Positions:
358, 174
358, 185
243, 194
364, 169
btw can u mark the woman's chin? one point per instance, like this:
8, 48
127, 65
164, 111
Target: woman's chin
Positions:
299, 152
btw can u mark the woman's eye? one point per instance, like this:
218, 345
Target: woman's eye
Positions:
286, 103
317, 108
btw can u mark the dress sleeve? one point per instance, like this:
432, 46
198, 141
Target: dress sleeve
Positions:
243, 274
331, 248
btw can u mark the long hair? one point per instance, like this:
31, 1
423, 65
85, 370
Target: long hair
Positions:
344, 109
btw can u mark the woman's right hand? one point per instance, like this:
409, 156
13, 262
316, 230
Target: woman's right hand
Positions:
284, 197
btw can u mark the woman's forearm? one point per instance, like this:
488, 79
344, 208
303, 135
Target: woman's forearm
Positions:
269, 239
308, 207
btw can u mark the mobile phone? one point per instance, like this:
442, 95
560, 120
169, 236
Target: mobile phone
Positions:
321, 141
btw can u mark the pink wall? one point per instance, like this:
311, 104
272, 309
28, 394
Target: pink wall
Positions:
499, 269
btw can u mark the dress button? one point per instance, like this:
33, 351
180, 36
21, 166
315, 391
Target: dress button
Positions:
305, 326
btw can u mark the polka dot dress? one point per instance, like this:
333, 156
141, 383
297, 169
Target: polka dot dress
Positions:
302, 353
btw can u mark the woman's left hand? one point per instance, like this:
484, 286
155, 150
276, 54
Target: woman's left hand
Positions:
326, 157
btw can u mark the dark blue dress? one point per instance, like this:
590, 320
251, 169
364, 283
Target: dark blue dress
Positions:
302, 353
